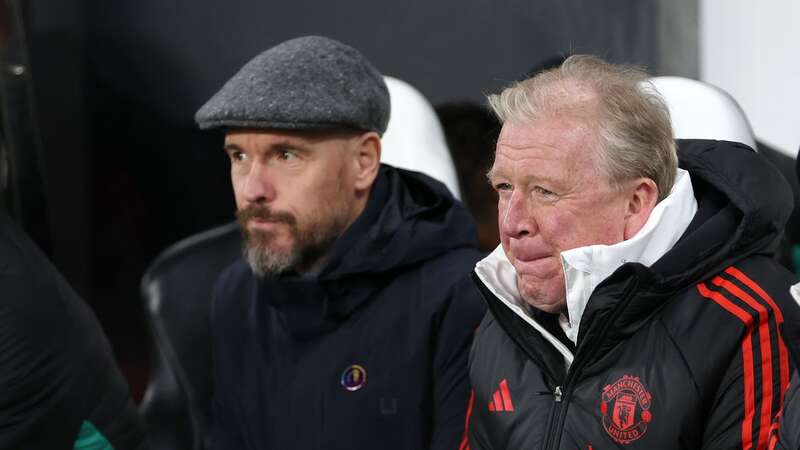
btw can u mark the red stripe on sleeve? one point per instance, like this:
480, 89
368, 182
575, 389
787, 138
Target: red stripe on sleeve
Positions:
739, 275
747, 356
465, 440
784, 357
765, 344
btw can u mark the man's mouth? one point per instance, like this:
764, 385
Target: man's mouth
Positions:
263, 217
263, 224
530, 255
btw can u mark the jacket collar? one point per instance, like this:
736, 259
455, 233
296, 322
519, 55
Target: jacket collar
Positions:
499, 276
586, 267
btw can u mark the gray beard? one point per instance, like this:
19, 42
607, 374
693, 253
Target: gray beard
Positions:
312, 242
310, 250
264, 262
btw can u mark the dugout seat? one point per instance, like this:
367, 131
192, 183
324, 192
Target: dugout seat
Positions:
704, 111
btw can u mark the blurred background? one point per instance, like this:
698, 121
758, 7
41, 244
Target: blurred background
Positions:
108, 169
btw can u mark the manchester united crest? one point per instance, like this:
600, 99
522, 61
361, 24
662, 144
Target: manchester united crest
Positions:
626, 409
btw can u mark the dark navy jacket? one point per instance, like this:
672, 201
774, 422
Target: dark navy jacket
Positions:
390, 316
689, 353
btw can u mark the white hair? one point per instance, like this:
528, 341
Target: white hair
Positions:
632, 120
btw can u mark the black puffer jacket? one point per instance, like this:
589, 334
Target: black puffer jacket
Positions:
371, 353
685, 354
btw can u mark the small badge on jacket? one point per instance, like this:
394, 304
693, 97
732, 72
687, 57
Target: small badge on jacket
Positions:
354, 377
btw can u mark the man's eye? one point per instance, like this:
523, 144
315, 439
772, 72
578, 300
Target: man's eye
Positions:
545, 193
502, 187
287, 155
237, 156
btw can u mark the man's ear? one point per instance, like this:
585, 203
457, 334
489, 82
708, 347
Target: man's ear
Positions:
367, 160
642, 200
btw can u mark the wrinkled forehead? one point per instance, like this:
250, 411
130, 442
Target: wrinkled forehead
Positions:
569, 141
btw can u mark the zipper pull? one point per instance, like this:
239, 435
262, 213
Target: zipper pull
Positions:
557, 394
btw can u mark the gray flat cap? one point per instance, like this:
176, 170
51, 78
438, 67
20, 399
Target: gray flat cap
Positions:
310, 82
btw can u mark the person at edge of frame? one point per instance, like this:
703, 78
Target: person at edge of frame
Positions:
60, 387
785, 432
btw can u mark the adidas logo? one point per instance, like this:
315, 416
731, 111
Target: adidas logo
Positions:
501, 400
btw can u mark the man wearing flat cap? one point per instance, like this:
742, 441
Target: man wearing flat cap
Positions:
346, 325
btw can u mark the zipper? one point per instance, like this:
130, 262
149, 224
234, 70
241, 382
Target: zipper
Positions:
557, 394
555, 414
562, 393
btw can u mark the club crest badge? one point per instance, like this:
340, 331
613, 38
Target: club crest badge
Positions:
354, 377
626, 409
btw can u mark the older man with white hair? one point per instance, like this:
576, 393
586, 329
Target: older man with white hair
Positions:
633, 302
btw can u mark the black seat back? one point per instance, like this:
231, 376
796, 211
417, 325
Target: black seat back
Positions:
177, 291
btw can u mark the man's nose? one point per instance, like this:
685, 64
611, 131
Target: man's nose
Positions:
259, 185
517, 220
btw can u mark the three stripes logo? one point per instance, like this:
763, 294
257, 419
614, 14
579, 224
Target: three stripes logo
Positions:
501, 400
765, 361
